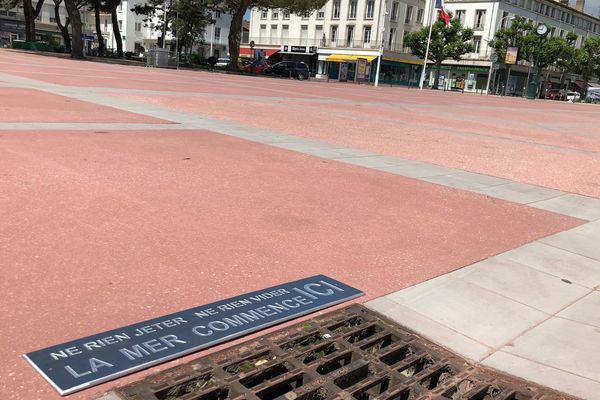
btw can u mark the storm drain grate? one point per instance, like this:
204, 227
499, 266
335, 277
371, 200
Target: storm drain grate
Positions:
349, 354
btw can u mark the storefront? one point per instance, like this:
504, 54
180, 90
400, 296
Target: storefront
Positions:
399, 70
461, 77
346, 66
305, 54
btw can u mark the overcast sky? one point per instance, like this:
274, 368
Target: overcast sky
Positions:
591, 7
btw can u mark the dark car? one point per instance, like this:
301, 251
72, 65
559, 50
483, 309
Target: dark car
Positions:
290, 69
556, 94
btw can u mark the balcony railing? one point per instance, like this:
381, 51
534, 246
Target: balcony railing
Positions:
323, 42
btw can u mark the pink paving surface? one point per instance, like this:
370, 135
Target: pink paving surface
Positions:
104, 230
27, 105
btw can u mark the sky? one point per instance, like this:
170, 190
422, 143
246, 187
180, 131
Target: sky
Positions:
591, 7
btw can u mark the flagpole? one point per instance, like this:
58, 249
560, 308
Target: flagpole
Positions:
431, 12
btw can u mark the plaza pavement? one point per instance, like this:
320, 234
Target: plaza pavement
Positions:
127, 193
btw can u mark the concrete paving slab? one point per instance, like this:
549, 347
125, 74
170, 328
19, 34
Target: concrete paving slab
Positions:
470, 310
561, 263
520, 192
562, 344
431, 329
575, 205
414, 169
586, 310
575, 242
372, 161
486, 180
545, 375
521, 283
455, 181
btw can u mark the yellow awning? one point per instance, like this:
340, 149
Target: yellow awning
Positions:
348, 58
403, 60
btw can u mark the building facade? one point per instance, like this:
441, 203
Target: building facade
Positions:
475, 71
344, 39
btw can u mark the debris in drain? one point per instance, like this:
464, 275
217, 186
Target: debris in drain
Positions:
349, 354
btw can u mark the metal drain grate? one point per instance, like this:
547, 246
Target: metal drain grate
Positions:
350, 354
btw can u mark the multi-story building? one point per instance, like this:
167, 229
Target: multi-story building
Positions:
335, 40
474, 72
12, 24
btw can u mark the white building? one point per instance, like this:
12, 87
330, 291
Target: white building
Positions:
333, 39
487, 17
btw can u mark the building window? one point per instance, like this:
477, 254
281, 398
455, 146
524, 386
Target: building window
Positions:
286, 14
476, 44
335, 10
333, 34
303, 34
349, 35
217, 33
420, 15
352, 9
262, 34
217, 14
408, 17
120, 25
321, 14
306, 15
264, 14
460, 15
370, 9
318, 32
395, 7
285, 32
275, 14
504, 20
479, 19
392, 38
367, 35
52, 20
273, 34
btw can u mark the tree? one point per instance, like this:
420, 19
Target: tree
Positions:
447, 42
112, 5
189, 19
238, 8
155, 10
76, 39
63, 28
96, 6
521, 34
587, 62
30, 13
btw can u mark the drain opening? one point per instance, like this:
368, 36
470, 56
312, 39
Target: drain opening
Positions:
194, 385
404, 394
347, 325
398, 355
336, 363
249, 363
303, 342
488, 393
318, 353
265, 375
378, 344
354, 376
373, 390
364, 333
416, 366
280, 389
438, 377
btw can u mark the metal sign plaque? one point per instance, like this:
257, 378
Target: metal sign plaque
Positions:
98, 358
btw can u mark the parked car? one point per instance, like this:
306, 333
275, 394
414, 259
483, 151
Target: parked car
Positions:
556, 94
573, 96
290, 69
222, 62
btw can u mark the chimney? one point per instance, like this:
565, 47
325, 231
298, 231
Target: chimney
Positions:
580, 5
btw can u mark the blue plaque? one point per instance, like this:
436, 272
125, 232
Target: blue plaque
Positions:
98, 358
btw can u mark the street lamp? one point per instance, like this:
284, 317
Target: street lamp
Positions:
542, 31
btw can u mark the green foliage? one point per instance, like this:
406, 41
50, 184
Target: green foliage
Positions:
450, 41
587, 60
521, 34
189, 19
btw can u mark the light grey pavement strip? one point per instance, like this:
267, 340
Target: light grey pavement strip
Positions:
533, 311
572, 204
87, 126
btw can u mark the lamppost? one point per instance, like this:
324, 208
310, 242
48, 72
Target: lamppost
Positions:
542, 31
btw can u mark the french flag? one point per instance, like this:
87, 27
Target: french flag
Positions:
439, 5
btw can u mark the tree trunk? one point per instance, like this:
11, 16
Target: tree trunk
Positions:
77, 39
64, 29
438, 71
234, 35
30, 14
96, 5
116, 30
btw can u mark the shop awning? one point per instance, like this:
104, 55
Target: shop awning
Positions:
403, 60
348, 57
248, 52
